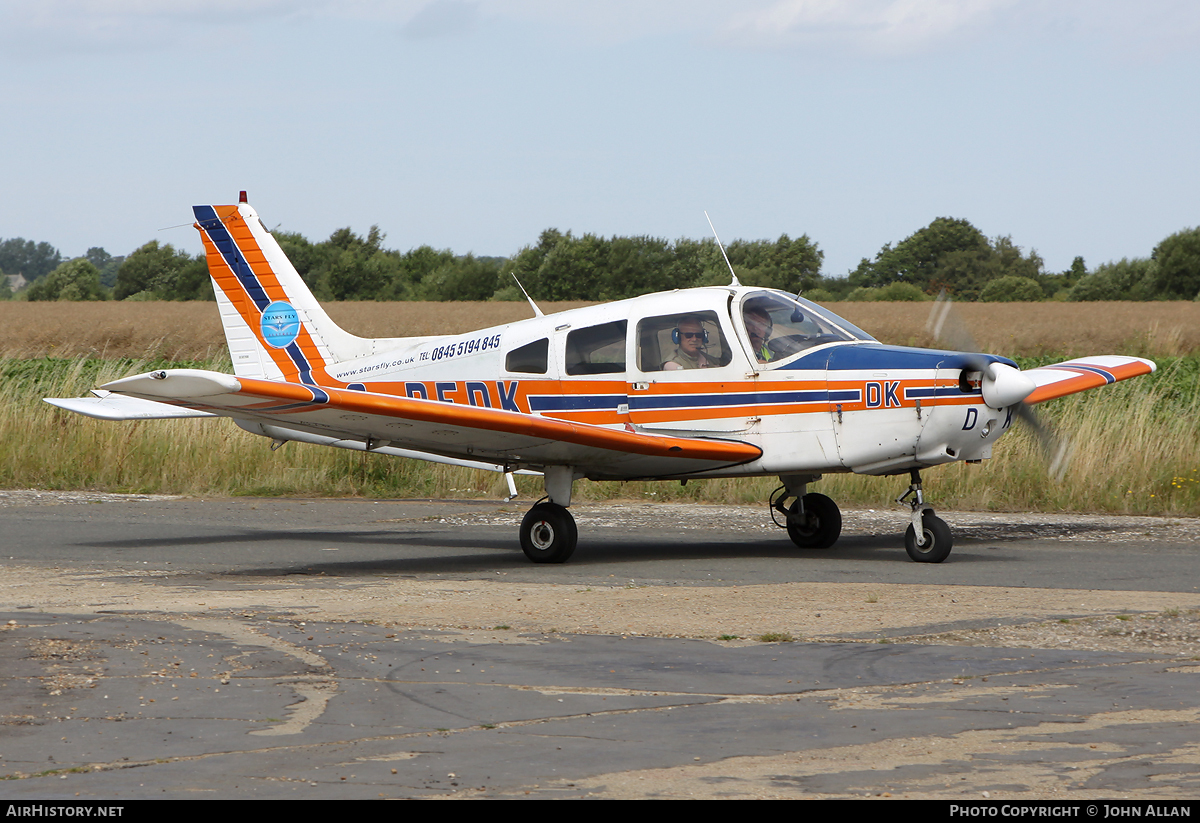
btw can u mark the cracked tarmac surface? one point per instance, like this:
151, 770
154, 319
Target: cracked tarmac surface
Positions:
137, 659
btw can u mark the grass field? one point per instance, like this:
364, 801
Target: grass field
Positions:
192, 331
1137, 444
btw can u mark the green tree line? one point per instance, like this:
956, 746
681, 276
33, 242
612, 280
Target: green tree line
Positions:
953, 255
949, 254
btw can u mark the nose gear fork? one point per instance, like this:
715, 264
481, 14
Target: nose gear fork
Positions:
928, 538
919, 506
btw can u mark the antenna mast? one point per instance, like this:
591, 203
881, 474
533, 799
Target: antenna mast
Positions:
721, 246
536, 311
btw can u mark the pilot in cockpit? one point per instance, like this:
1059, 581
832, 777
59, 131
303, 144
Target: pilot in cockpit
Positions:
690, 338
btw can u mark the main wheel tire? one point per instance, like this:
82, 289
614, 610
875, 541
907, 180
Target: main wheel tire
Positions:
820, 525
548, 534
938, 540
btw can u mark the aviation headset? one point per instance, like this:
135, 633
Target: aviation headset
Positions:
677, 338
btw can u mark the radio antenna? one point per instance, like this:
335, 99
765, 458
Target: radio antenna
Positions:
721, 246
536, 311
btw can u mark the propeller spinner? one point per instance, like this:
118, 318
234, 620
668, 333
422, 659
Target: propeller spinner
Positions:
1002, 385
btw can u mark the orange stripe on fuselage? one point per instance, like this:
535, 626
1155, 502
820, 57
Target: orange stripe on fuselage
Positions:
522, 390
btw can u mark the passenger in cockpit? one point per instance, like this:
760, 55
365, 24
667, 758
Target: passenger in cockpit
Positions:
759, 328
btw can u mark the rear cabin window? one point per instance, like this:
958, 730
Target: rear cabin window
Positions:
682, 341
597, 349
530, 358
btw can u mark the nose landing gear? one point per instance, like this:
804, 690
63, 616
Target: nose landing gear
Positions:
928, 538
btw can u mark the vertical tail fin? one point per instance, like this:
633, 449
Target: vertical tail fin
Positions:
274, 325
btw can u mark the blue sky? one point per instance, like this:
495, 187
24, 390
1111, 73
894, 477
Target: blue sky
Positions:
1071, 126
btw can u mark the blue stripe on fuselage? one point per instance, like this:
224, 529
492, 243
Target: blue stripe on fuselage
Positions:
579, 402
602, 402
938, 391
880, 357
680, 401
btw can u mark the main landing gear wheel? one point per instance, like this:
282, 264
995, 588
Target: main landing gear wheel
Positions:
548, 534
938, 540
820, 524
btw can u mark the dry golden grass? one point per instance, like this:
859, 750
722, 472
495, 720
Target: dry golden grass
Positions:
1137, 443
1037, 329
192, 331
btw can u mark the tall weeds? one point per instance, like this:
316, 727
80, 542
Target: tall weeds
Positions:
1136, 449
1136, 446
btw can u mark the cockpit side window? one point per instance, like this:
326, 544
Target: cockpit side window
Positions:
670, 342
778, 326
597, 349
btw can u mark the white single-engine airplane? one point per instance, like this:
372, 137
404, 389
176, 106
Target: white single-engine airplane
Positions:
708, 382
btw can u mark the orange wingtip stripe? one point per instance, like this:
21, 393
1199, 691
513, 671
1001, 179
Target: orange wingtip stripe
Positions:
1062, 388
512, 422
1084, 380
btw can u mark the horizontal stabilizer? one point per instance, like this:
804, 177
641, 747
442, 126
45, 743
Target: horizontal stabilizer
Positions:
120, 407
185, 384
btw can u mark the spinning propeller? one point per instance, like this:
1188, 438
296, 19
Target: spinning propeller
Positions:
1002, 385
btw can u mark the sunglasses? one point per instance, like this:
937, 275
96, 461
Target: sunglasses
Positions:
691, 334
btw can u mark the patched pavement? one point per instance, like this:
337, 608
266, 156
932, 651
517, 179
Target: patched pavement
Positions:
133, 706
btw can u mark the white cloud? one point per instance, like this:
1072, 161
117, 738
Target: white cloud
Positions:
887, 28
1147, 29
442, 18
883, 27
101, 25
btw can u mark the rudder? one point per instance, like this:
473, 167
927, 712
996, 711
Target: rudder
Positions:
273, 324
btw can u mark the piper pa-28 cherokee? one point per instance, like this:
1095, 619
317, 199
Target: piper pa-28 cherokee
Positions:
698, 383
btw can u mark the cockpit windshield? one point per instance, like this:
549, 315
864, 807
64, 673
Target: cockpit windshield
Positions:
780, 326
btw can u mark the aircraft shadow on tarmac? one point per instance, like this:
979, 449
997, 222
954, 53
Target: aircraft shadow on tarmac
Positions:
424, 551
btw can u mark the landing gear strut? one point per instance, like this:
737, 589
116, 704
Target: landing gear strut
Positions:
928, 538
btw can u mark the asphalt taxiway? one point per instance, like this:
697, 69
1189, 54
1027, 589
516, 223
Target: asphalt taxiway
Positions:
307, 648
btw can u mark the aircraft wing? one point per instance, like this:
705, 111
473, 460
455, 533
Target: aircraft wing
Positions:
1061, 379
452, 430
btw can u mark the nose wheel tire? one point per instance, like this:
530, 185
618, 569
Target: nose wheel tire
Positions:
820, 524
938, 540
548, 534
